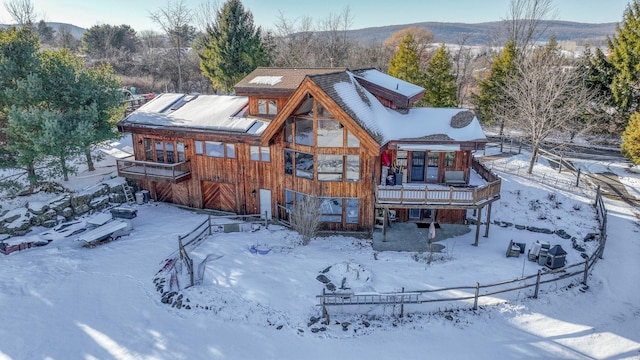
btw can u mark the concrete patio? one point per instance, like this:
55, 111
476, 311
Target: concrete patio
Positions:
408, 236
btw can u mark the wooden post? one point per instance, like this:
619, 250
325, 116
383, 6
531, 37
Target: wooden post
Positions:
486, 226
478, 226
475, 300
209, 223
560, 163
586, 271
578, 178
535, 293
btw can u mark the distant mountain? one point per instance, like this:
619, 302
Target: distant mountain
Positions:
483, 33
76, 31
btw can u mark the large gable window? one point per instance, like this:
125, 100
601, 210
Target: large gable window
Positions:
302, 163
304, 131
330, 133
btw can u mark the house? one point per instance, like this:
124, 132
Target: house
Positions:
352, 139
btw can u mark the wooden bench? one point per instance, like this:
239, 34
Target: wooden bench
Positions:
454, 178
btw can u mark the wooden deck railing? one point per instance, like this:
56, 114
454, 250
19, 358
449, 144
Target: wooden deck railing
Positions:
437, 195
146, 170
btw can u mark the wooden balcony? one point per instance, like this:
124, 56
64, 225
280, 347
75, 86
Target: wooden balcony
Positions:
441, 196
151, 171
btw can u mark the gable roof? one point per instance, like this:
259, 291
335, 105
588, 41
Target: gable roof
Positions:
277, 82
384, 124
203, 112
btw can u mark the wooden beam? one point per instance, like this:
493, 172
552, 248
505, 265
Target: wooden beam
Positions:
478, 226
486, 227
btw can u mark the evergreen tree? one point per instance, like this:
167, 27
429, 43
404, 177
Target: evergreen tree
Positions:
233, 47
625, 47
631, 139
18, 61
492, 87
405, 64
440, 83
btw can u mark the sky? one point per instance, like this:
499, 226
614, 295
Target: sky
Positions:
64, 301
370, 13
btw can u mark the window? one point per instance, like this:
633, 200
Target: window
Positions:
417, 165
352, 140
352, 211
330, 210
260, 153
330, 167
170, 153
323, 112
180, 149
267, 107
330, 133
304, 165
288, 130
288, 162
353, 167
148, 151
159, 152
432, 167
214, 148
450, 159
231, 150
304, 132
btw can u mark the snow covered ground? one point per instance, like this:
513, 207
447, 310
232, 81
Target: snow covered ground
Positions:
63, 301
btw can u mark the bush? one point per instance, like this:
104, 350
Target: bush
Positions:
305, 218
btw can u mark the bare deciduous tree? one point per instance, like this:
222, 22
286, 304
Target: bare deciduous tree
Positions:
545, 98
305, 217
175, 20
21, 11
525, 20
463, 69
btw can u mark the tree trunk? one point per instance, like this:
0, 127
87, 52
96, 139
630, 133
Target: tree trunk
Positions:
31, 175
63, 167
87, 153
534, 154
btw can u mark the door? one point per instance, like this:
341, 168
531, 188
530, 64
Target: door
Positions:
417, 165
265, 202
219, 196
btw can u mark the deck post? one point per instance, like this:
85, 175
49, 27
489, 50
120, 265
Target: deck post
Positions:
479, 220
486, 226
385, 218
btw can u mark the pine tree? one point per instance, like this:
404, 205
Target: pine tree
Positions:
405, 64
631, 139
233, 47
18, 60
440, 83
625, 47
492, 87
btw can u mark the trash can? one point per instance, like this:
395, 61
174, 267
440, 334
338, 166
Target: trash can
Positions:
145, 195
139, 198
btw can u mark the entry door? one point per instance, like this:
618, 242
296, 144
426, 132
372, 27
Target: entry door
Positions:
417, 165
265, 202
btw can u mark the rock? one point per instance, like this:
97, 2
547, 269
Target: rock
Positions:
539, 230
81, 209
448, 317
331, 287
67, 213
50, 223
323, 279
313, 320
326, 270
99, 203
345, 326
60, 203
590, 237
37, 208
520, 227
563, 234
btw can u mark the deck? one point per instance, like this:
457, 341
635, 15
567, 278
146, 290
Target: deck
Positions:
159, 172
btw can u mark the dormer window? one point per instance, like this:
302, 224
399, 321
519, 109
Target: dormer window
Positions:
267, 107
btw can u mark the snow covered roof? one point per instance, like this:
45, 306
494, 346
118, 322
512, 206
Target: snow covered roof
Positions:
384, 124
389, 82
277, 82
210, 112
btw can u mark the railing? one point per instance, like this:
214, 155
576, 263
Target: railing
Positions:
452, 196
469, 196
147, 170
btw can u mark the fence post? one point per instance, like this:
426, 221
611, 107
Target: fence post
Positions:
535, 293
560, 163
586, 271
475, 300
209, 220
578, 178
402, 303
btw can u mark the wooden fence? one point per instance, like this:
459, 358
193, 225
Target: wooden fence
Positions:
474, 292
